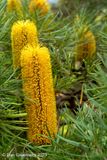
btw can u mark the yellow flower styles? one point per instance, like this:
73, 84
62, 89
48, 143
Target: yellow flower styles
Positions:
14, 5
42, 5
86, 47
39, 94
23, 32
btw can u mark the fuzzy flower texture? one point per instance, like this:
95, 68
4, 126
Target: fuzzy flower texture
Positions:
23, 32
42, 5
86, 47
14, 5
39, 93
37, 82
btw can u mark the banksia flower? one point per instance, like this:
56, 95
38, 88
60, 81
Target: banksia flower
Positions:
23, 32
39, 94
42, 5
87, 47
86, 43
14, 5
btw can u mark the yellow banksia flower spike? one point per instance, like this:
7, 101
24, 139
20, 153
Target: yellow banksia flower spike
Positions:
42, 5
23, 32
14, 5
86, 43
87, 46
39, 94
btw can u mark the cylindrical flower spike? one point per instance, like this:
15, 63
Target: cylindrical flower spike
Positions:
42, 5
23, 32
86, 47
39, 94
14, 5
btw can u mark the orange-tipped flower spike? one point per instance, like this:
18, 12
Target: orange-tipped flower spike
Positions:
23, 32
39, 94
